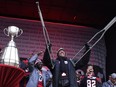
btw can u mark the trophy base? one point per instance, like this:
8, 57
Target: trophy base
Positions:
9, 63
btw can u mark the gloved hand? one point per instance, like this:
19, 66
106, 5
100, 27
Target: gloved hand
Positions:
49, 47
87, 46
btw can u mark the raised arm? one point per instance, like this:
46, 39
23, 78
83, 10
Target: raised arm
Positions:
47, 59
85, 59
32, 60
35, 57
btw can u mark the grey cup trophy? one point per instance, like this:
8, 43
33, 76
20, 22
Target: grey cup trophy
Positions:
10, 53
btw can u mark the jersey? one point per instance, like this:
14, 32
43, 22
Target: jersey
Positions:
40, 82
90, 82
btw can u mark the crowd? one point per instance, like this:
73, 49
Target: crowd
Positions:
61, 72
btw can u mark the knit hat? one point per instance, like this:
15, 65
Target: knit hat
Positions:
113, 75
59, 51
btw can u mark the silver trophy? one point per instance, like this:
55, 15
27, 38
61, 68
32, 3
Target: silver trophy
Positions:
10, 53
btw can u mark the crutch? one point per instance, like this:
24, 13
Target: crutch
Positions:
46, 36
103, 31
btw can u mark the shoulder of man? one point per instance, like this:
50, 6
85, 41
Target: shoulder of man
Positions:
106, 84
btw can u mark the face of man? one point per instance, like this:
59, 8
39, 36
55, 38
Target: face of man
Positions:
113, 80
62, 53
90, 68
90, 74
39, 65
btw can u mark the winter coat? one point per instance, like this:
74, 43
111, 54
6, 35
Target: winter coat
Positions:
108, 84
34, 76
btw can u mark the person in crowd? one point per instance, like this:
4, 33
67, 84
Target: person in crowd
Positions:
40, 75
90, 80
63, 68
111, 82
79, 75
24, 65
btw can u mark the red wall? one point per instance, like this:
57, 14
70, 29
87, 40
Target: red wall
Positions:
71, 37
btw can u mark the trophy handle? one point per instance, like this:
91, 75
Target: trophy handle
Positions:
6, 29
21, 31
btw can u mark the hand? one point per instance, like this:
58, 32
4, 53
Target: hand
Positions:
87, 46
49, 47
39, 53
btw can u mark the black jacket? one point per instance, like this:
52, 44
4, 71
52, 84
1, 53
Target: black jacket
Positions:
54, 66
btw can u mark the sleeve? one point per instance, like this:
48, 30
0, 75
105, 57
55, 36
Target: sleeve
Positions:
47, 60
84, 60
33, 59
32, 62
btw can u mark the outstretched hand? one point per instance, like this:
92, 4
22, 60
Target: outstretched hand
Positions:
49, 47
39, 53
